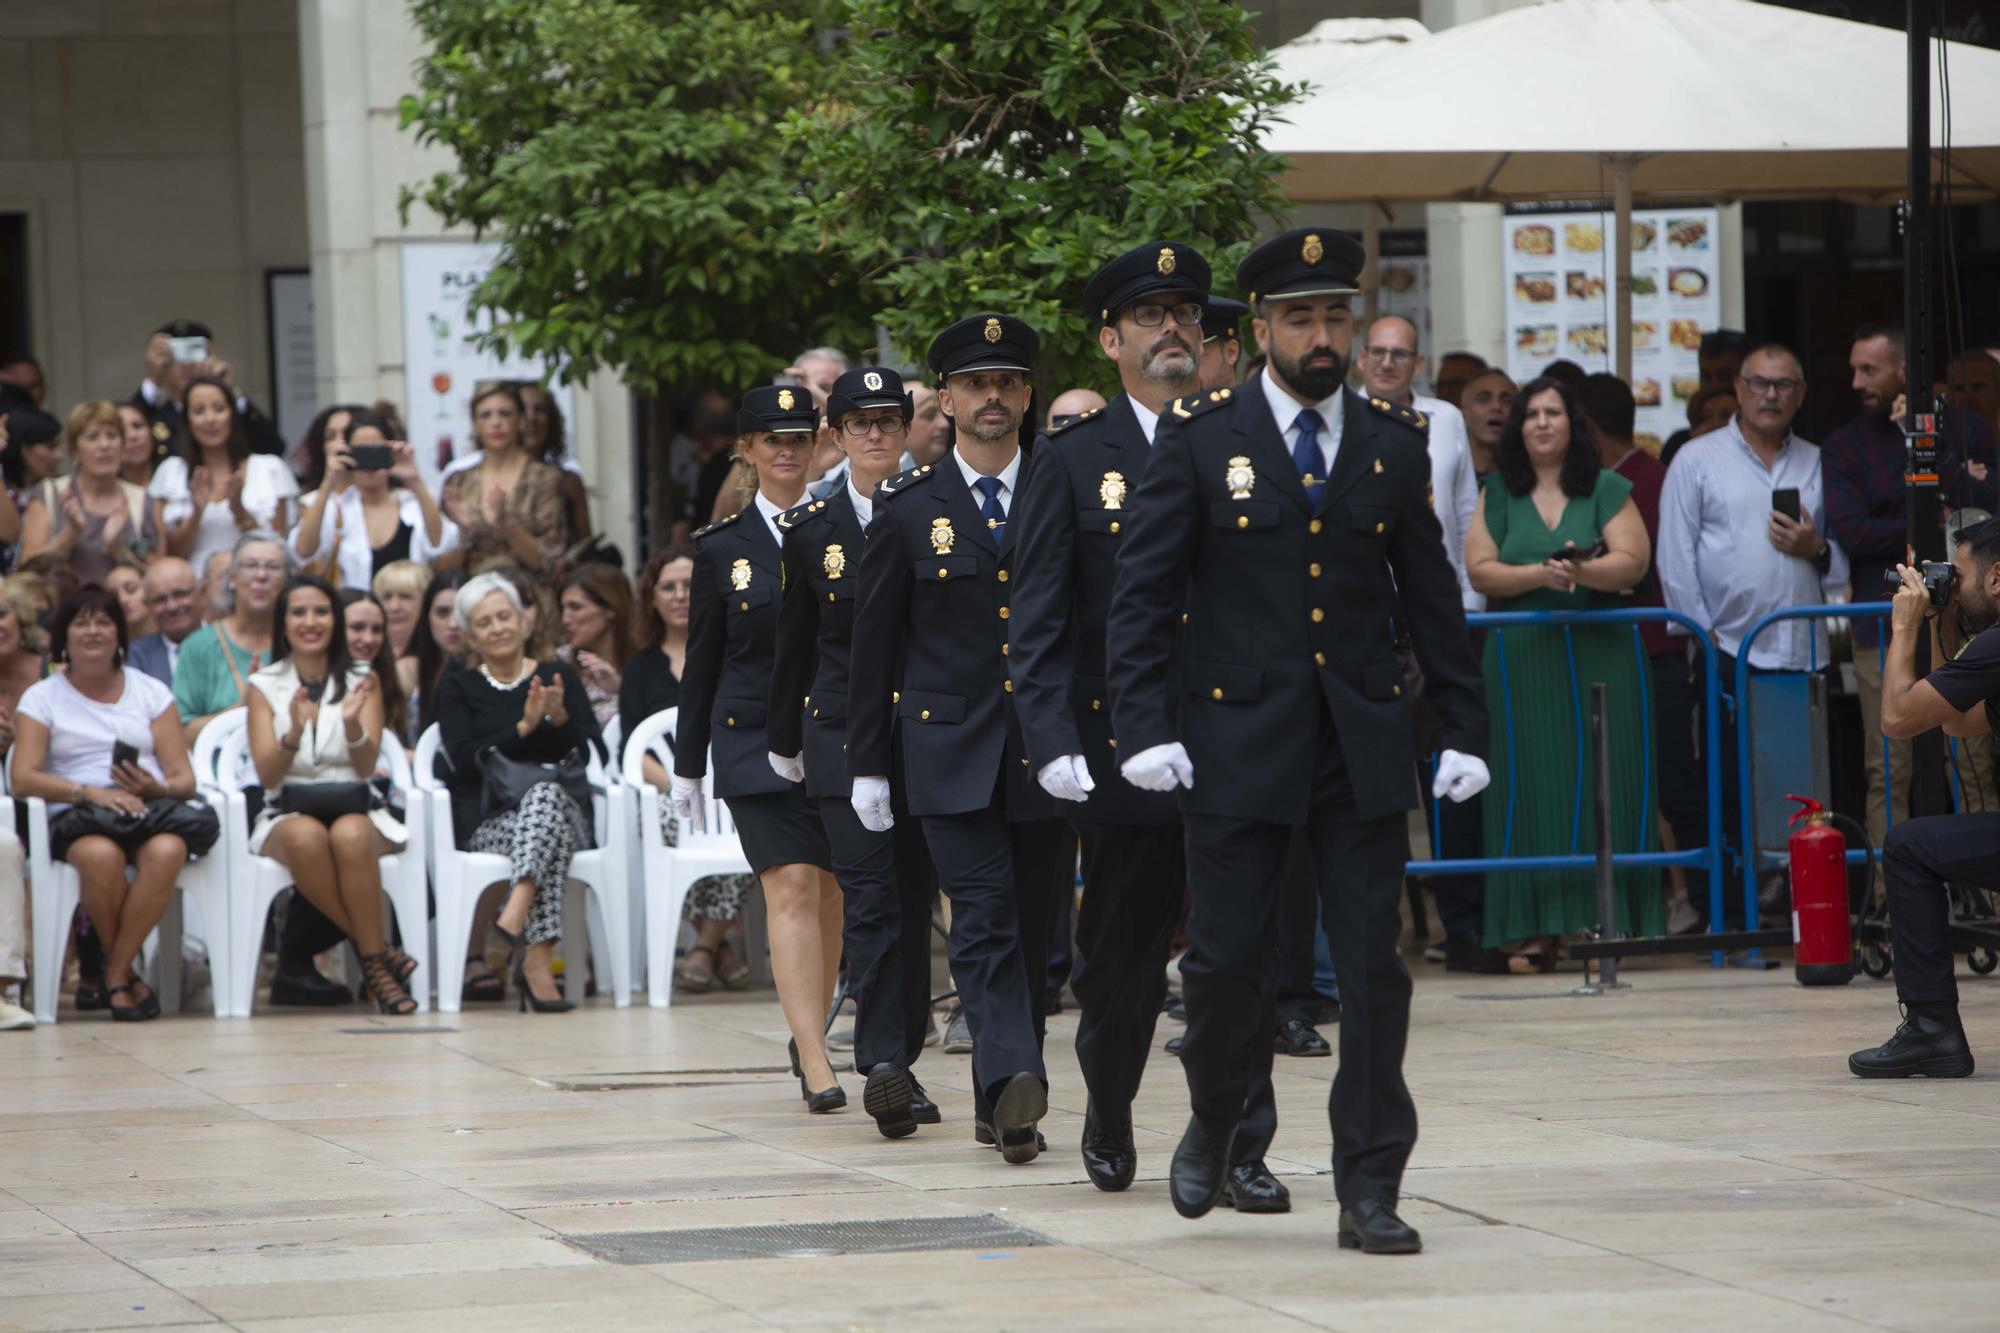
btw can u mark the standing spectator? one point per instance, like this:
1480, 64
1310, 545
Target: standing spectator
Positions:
1709, 410
1488, 400
1728, 557
1867, 517
66, 732
711, 419
215, 489
143, 449
25, 373
127, 582
215, 662
171, 597
400, 588
930, 428
543, 432
1556, 532
1070, 404
368, 644
1390, 364
174, 360
89, 519
509, 505
21, 665
1720, 358
1455, 371
1221, 342
1972, 385
328, 428
597, 634
371, 510
434, 647
30, 454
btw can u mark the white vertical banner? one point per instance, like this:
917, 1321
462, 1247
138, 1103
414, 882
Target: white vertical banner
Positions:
441, 360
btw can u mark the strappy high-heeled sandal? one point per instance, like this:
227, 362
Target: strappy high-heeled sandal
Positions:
401, 964
383, 987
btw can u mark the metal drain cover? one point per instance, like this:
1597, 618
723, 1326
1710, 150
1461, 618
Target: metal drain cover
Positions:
807, 1240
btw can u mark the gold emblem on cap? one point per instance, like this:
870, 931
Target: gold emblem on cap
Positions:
1313, 251
872, 381
1166, 260
834, 562
739, 575
785, 400
1112, 490
993, 330
942, 536
1240, 477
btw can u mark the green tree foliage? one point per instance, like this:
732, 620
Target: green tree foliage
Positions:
627, 155
994, 153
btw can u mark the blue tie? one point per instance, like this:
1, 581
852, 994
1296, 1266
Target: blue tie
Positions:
1306, 456
995, 516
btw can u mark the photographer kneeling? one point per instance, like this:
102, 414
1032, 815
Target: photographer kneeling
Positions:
1921, 856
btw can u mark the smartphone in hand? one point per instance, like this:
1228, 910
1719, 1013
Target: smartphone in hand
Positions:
1786, 501
122, 752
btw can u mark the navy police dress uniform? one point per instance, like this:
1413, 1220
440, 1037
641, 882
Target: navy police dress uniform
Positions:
726, 682
886, 879
1288, 699
165, 421
930, 656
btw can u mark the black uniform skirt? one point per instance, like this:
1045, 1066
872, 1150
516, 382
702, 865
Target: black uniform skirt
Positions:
780, 829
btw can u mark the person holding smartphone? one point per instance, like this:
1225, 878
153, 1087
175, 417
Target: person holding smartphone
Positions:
371, 510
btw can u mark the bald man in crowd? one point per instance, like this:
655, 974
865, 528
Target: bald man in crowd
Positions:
1070, 404
1485, 403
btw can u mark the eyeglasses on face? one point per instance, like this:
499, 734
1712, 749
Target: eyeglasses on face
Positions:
858, 427
1764, 388
1151, 314
1395, 356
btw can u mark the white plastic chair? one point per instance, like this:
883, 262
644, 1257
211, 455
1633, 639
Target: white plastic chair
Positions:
669, 872
255, 881
56, 893
459, 877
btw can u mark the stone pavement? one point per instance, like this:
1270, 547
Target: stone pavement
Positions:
1688, 1152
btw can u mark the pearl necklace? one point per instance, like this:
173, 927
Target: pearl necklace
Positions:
526, 668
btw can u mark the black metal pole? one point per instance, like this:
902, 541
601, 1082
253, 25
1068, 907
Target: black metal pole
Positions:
1929, 794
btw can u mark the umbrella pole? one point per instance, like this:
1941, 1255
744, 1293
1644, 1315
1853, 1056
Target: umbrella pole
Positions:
1621, 204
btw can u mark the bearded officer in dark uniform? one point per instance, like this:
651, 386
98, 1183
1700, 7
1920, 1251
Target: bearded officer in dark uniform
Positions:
885, 878
1148, 304
1290, 520
930, 652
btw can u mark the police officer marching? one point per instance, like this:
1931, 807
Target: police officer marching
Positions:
1069, 525
1290, 520
725, 693
930, 655
887, 927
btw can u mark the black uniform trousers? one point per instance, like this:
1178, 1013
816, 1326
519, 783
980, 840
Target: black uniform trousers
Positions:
1236, 869
1295, 982
1134, 881
1920, 857
886, 931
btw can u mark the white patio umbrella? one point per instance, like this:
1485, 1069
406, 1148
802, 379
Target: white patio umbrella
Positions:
1659, 99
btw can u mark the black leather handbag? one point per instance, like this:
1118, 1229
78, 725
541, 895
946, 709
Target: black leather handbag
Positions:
324, 801
504, 782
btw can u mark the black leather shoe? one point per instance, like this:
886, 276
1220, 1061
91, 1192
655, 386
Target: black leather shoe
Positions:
1372, 1227
1298, 1037
922, 1109
306, 987
1022, 1102
887, 1097
1925, 1044
1253, 1189
1174, 1044
982, 1134
1109, 1157
1174, 1007
1470, 956
1200, 1169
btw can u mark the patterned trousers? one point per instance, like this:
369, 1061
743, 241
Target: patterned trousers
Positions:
539, 836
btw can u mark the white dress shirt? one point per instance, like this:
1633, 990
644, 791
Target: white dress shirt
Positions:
1149, 420
1454, 490
864, 505
1008, 475
770, 513
1286, 409
345, 516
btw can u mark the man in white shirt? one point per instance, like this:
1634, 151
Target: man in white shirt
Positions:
1390, 365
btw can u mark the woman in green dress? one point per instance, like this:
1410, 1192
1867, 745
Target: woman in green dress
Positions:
1556, 532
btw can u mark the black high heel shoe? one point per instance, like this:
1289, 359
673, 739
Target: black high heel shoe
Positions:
530, 1000
500, 948
792, 1049
819, 1103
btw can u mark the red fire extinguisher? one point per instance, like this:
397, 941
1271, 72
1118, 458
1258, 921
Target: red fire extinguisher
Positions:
1823, 945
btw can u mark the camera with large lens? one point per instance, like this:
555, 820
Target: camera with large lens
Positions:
1939, 576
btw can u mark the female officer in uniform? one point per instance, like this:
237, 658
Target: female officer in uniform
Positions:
732, 631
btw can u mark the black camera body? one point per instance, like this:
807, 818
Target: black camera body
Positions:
1939, 576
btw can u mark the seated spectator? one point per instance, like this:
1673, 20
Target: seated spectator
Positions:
162, 393
597, 634
212, 600
216, 660
144, 448
508, 505
528, 712
21, 665
368, 644
364, 519
66, 732
434, 648
93, 516
36, 594
652, 684
400, 587
127, 579
172, 600
215, 489
328, 428
1555, 532
315, 730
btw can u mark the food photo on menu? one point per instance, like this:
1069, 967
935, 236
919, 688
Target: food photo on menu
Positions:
1645, 335
1583, 286
1535, 240
1645, 284
1535, 288
1687, 233
1587, 340
1583, 238
1535, 339
1684, 334
1643, 235
1687, 282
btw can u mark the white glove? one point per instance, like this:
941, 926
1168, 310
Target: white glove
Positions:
1067, 778
871, 804
1160, 768
789, 767
1460, 776
684, 794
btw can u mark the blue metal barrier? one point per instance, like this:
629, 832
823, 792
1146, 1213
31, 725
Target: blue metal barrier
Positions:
1712, 857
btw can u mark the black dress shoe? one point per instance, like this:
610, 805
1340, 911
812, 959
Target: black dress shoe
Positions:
887, 1097
306, 987
1253, 1189
982, 1134
1927, 1044
1109, 1157
1200, 1169
922, 1109
1022, 1102
1372, 1227
1174, 1044
1297, 1037
90, 997
825, 1100
1471, 956
1174, 1007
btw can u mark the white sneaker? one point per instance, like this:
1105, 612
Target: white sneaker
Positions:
14, 1018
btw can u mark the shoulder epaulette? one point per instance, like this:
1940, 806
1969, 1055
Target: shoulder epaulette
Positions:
1409, 416
1196, 403
903, 481
1076, 420
718, 525
798, 514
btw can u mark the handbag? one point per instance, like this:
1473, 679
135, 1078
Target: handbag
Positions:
504, 782
191, 819
324, 801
